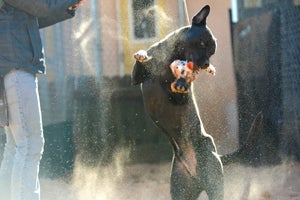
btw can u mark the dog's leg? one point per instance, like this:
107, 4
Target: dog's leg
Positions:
211, 70
139, 73
183, 185
214, 179
142, 56
210, 169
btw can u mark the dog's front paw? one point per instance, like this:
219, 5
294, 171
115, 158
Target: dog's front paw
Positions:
179, 86
211, 69
142, 56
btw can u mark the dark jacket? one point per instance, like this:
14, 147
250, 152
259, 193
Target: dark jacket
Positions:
20, 21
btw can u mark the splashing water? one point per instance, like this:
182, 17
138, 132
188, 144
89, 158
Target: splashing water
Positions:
100, 182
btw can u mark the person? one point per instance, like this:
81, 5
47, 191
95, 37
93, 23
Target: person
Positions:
21, 59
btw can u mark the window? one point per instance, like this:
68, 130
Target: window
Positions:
252, 3
297, 2
144, 24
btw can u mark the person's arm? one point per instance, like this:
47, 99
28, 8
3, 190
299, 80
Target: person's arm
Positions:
1, 3
43, 8
48, 21
69, 13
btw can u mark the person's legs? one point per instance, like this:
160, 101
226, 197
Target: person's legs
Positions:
25, 123
7, 165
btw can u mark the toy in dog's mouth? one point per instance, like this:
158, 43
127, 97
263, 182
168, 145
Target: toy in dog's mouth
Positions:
186, 72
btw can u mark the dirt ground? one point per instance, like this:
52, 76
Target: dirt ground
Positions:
151, 181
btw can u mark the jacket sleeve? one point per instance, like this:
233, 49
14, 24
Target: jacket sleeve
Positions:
42, 8
48, 21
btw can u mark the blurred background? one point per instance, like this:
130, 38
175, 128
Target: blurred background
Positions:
92, 113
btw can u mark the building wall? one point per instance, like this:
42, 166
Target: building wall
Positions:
110, 38
165, 13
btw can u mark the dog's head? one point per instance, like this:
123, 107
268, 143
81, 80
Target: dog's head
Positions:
200, 44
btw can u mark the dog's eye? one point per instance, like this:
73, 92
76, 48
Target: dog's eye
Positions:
202, 44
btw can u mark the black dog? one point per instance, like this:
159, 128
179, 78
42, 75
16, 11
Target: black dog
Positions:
196, 165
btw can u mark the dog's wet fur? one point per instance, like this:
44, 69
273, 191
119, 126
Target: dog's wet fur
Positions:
196, 164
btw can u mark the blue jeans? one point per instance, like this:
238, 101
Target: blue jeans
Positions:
24, 138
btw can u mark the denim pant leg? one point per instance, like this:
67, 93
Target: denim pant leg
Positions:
7, 165
25, 124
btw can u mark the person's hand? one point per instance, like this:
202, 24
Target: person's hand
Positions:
1, 3
76, 6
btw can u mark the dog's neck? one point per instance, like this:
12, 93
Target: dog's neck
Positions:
177, 45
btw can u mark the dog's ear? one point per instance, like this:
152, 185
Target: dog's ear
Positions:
200, 18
